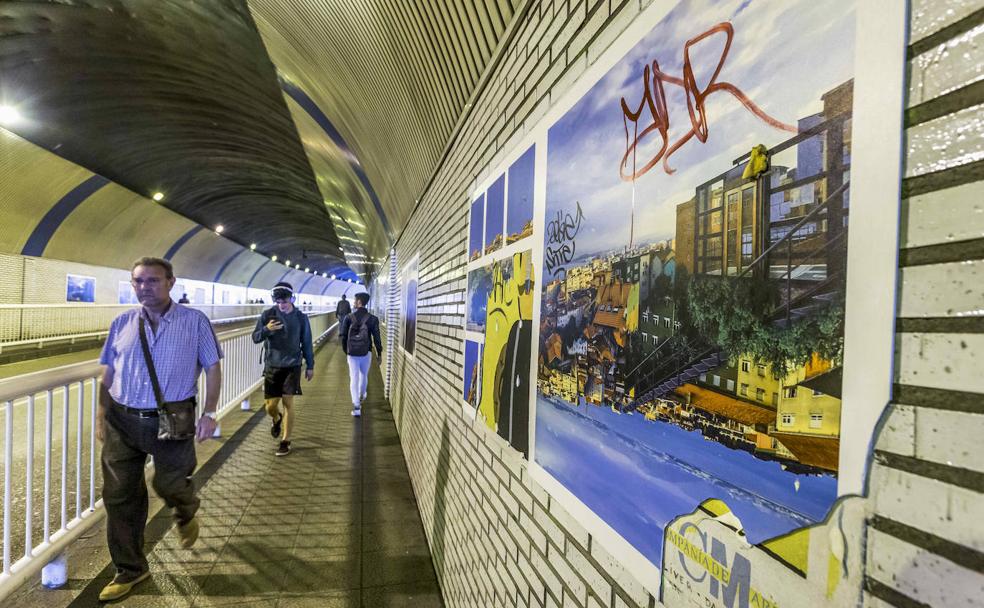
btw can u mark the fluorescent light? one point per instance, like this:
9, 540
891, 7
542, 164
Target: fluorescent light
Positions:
252, 247
332, 277
9, 115
308, 269
273, 258
297, 266
219, 229
158, 196
286, 262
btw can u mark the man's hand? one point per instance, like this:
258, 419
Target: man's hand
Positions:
308, 374
205, 430
274, 325
100, 424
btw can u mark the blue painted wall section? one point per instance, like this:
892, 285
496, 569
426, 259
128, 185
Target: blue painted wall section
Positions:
178, 244
304, 284
226, 264
46, 228
302, 99
253, 278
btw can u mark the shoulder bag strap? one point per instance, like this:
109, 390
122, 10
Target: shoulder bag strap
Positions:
150, 364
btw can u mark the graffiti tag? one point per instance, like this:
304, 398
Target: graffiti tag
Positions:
654, 101
560, 247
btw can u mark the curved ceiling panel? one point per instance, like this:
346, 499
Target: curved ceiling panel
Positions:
358, 226
173, 96
392, 77
31, 183
113, 227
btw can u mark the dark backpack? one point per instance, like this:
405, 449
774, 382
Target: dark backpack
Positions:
358, 335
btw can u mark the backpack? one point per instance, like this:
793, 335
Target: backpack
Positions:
358, 335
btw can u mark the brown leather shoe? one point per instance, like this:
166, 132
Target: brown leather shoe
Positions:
121, 586
188, 533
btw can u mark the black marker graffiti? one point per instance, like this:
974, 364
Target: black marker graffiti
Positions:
561, 247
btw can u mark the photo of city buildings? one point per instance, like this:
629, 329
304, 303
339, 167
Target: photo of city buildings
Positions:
694, 273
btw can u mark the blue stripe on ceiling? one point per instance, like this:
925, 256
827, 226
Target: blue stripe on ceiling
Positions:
330, 281
304, 284
283, 276
302, 99
226, 264
46, 228
178, 244
252, 278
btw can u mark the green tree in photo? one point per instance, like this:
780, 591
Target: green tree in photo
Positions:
742, 316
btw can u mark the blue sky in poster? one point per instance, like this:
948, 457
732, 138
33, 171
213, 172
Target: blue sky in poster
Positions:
639, 475
495, 209
519, 209
476, 226
784, 56
479, 286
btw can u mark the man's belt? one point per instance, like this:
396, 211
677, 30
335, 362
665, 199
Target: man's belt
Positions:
139, 412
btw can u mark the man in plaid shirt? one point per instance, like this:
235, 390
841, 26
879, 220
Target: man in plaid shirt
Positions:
182, 344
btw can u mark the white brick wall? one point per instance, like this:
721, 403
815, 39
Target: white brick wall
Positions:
497, 537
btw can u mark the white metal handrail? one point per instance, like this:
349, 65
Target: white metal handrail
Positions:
30, 323
69, 395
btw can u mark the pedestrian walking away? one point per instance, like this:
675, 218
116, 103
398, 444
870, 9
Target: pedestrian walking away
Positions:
285, 332
359, 332
342, 309
151, 361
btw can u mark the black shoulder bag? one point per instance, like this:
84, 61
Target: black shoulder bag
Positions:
176, 419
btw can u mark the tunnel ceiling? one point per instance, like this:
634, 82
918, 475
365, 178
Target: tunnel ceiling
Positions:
307, 127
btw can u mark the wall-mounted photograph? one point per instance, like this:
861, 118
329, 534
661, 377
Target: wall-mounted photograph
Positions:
472, 373
409, 312
80, 288
476, 230
495, 199
519, 208
506, 374
694, 262
479, 287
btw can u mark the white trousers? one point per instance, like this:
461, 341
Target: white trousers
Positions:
359, 376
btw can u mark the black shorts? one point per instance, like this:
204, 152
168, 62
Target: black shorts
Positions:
280, 381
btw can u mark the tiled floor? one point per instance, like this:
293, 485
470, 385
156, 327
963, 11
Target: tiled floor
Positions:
334, 524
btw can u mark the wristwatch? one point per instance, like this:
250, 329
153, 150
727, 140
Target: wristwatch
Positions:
209, 414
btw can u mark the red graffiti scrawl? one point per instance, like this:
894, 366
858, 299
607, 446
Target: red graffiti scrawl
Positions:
654, 101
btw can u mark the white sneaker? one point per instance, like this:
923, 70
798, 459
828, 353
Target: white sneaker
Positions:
357, 411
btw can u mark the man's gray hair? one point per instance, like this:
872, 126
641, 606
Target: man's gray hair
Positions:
151, 261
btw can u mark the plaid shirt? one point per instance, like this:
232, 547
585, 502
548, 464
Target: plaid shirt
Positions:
185, 343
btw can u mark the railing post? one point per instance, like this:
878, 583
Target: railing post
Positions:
29, 485
92, 444
47, 464
8, 456
64, 467
80, 430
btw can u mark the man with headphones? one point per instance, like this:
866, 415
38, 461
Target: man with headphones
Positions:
287, 335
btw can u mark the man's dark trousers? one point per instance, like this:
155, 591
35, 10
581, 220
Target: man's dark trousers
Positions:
128, 441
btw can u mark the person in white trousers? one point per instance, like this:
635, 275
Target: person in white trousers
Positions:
359, 332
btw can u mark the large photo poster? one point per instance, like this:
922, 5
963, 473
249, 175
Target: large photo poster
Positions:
501, 288
691, 326
408, 305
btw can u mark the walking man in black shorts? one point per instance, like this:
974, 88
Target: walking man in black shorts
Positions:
287, 333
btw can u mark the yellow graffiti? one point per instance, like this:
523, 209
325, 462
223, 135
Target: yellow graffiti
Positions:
716, 569
509, 303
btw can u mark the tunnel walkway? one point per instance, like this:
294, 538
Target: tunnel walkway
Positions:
333, 524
